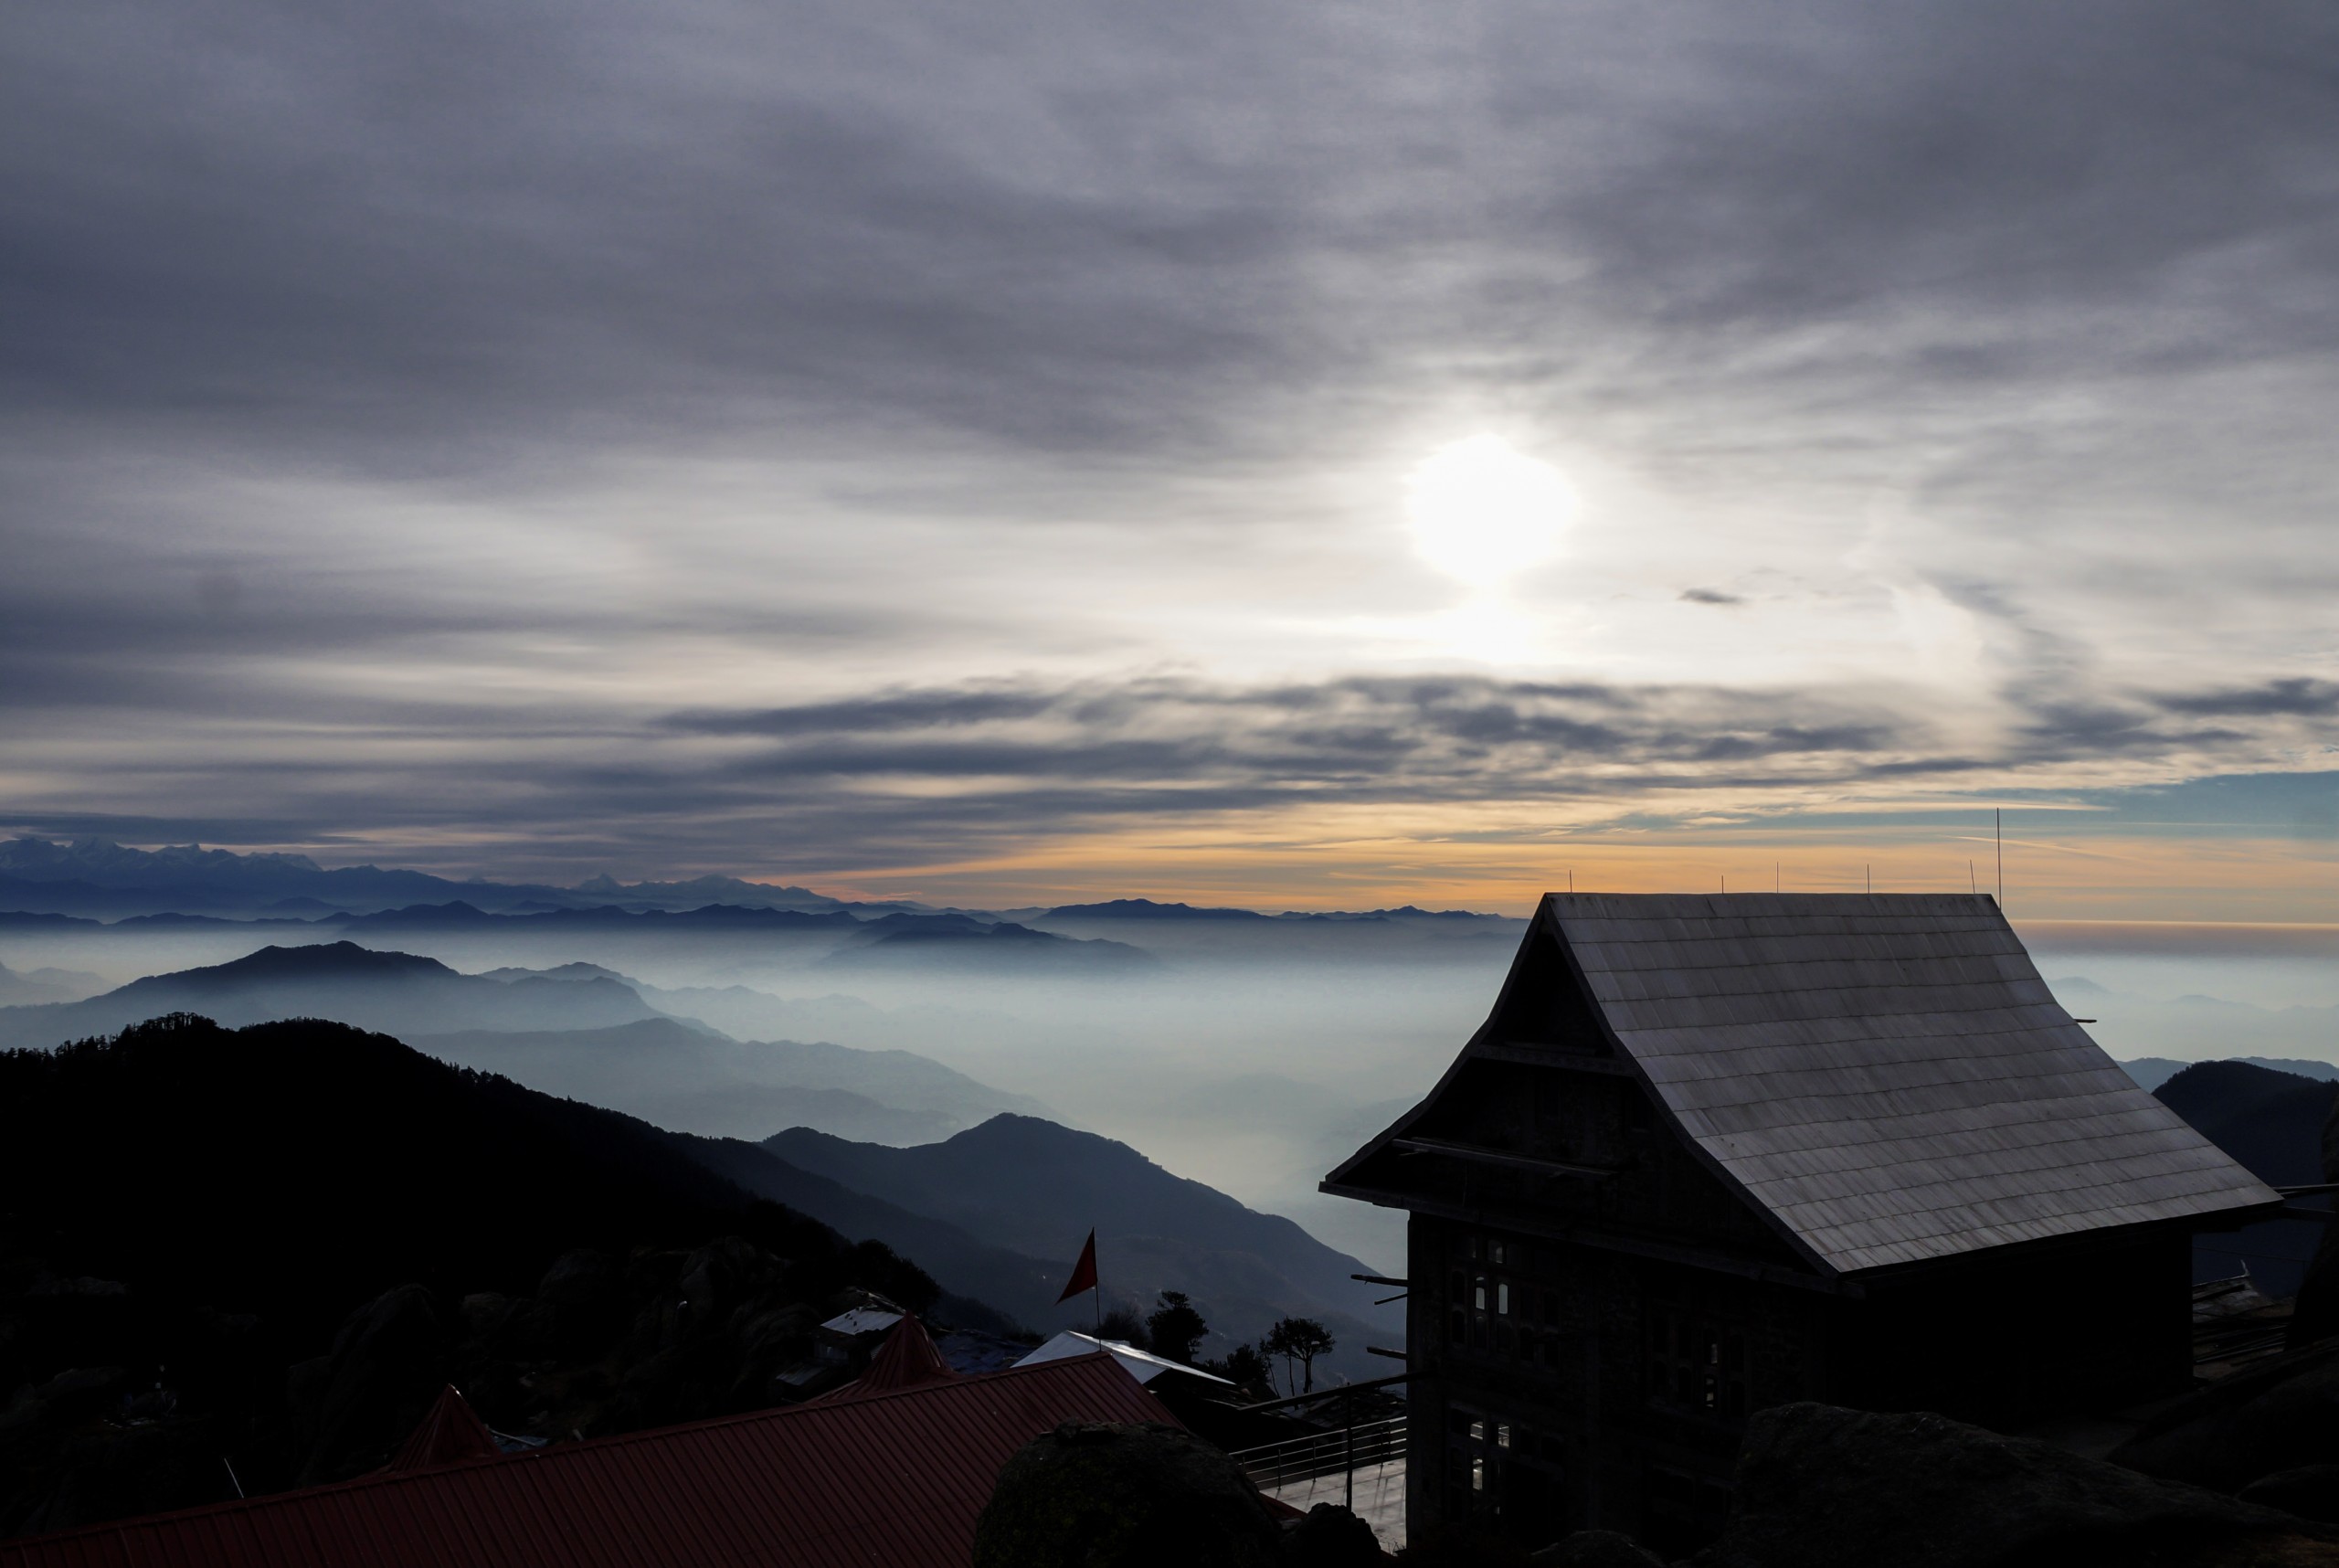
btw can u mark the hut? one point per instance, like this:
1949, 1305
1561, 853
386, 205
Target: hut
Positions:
1708, 1154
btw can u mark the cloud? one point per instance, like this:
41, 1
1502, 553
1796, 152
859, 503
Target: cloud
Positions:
2299, 696
655, 431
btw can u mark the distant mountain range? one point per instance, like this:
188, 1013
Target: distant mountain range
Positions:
94, 878
36, 986
396, 993
579, 1029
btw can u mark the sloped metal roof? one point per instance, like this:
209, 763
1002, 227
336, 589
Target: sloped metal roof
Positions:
1142, 1365
1886, 1074
882, 1480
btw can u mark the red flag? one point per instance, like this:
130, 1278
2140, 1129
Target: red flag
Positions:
1084, 1273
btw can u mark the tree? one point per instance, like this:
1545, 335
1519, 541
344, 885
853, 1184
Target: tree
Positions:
1122, 1324
1245, 1367
1301, 1339
1176, 1328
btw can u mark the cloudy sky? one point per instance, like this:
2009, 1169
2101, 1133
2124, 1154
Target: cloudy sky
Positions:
1307, 455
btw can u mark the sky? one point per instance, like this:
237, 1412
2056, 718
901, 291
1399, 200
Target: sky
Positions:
1300, 456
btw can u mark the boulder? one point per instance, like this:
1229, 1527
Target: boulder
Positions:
583, 1302
1596, 1548
1124, 1497
2309, 1491
354, 1406
2275, 1416
1822, 1487
1331, 1537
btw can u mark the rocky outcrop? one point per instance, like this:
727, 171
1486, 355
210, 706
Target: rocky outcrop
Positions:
1596, 1548
2275, 1416
1124, 1497
352, 1407
1822, 1487
1331, 1537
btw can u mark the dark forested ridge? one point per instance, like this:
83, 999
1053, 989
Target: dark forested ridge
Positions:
2272, 1123
267, 1247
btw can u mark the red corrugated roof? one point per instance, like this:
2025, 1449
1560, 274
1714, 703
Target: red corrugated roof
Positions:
882, 1480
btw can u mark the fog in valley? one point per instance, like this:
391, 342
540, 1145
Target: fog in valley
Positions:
1250, 1055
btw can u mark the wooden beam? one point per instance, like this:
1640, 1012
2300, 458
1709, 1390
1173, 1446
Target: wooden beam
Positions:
1471, 1151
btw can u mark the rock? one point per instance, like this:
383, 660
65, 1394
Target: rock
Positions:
2309, 1491
1331, 1537
2275, 1416
583, 1302
1124, 1497
1596, 1548
1822, 1487
354, 1406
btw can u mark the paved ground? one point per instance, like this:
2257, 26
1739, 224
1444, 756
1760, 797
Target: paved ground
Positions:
1379, 1499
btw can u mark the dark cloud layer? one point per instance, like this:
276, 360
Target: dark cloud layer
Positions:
396, 229
910, 777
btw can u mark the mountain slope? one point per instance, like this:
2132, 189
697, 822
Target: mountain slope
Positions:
1033, 1187
2152, 1072
672, 1073
2272, 1123
397, 993
232, 1196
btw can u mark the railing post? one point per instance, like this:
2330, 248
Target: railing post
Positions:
1348, 1408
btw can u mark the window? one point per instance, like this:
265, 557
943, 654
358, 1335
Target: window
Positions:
1697, 1364
1502, 1297
1479, 1295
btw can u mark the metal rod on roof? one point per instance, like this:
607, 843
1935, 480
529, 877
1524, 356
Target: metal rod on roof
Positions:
1998, 814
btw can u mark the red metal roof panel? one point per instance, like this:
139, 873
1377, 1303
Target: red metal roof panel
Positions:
894, 1479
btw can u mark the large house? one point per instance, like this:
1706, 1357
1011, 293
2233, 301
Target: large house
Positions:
1711, 1154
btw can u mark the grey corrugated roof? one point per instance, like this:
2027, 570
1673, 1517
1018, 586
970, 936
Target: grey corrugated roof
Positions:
1886, 1072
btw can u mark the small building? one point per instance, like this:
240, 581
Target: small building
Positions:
856, 1332
1143, 1365
1708, 1154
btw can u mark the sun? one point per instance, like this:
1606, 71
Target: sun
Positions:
1482, 510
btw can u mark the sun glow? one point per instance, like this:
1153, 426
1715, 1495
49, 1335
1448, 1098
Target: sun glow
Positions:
1482, 510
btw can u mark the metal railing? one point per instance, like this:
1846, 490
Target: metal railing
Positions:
1357, 1448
